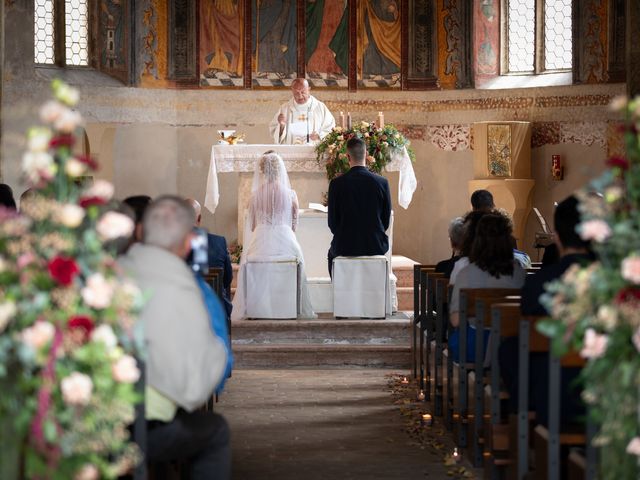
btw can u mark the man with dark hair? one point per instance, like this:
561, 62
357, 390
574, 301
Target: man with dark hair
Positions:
6, 197
138, 204
359, 208
572, 250
482, 200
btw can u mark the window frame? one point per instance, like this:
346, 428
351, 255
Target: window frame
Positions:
539, 49
60, 37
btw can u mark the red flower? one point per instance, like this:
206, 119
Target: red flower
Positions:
63, 270
618, 162
628, 294
62, 141
81, 324
89, 201
88, 161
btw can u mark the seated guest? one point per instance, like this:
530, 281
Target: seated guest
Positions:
218, 257
138, 204
471, 220
185, 360
6, 197
482, 201
491, 266
521, 257
456, 231
572, 250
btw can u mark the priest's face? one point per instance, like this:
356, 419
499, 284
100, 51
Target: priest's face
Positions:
300, 92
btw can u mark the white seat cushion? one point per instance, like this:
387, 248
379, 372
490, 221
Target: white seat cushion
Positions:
271, 287
360, 286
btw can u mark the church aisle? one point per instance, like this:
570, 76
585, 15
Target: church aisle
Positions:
320, 424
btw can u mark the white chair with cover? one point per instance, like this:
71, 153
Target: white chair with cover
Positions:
361, 287
271, 287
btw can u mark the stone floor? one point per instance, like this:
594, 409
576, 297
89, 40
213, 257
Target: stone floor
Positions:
340, 424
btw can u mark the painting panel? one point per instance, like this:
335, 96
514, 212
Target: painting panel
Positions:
113, 34
486, 55
221, 51
327, 42
378, 43
274, 41
499, 150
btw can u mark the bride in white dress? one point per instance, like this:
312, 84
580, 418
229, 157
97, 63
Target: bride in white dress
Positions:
270, 226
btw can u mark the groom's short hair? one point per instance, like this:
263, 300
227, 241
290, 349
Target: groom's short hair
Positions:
356, 149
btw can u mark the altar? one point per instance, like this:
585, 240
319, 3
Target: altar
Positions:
313, 232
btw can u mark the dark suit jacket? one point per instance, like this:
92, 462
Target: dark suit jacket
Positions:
359, 213
446, 266
534, 284
219, 258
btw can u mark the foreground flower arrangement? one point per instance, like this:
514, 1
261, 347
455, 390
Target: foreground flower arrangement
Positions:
381, 144
596, 310
67, 340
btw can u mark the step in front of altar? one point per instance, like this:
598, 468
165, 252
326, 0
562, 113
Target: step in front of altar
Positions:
325, 342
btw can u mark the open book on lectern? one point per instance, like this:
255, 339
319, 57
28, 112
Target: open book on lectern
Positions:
318, 207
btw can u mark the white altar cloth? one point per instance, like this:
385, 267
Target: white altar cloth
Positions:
297, 158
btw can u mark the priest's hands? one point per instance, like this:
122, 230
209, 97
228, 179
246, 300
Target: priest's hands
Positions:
282, 120
314, 136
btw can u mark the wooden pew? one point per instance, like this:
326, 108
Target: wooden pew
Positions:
419, 315
468, 302
441, 320
428, 365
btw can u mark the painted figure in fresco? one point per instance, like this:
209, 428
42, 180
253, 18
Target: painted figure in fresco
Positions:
112, 24
220, 37
274, 31
378, 38
323, 18
487, 59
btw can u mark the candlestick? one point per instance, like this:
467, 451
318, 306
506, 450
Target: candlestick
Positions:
455, 455
349, 120
380, 120
342, 119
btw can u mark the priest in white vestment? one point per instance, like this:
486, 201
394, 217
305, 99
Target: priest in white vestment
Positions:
303, 119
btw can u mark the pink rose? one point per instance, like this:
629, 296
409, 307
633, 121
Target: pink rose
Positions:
114, 225
125, 370
101, 190
88, 472
25, 260
595, 344
634, 446
98, 291
631, 269
597, 230
76, 389
38, 335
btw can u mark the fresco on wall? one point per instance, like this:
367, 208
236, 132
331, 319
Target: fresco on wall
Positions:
378, 43
274, 37
327, 46
487, 39
113, 27
593, 38
450, 43
220, 53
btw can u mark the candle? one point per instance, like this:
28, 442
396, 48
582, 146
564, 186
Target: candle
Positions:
342, 119
380, 120
427, 419
455, 455
421, 396
349, 120
404, 381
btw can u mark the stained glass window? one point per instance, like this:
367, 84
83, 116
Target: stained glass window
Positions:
76, 22
521, 35
557, 34
43, 41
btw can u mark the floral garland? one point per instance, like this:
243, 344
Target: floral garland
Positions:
596, 309
381, 144
67, 342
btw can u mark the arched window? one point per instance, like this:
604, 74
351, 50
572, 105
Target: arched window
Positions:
61, 32
537, 36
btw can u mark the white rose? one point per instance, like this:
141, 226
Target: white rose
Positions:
634, 446
38, 139
607, 317
618, 103
74, 167
38, 335
38, 166
597, 230
100, 189
70, 215
88, 472
50, 111
76, 389
104, 333
98, 291
125, 370
114, 225
7, 312
68, 121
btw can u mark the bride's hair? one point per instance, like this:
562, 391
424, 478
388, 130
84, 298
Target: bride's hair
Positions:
270, 165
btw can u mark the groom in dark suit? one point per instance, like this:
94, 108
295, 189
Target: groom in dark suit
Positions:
359, 208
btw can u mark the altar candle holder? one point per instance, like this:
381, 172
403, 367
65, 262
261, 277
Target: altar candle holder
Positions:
380, 120
342, 122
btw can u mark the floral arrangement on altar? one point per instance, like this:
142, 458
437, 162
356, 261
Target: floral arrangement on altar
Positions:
235, 251
67, 337
381, 144
596, 309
